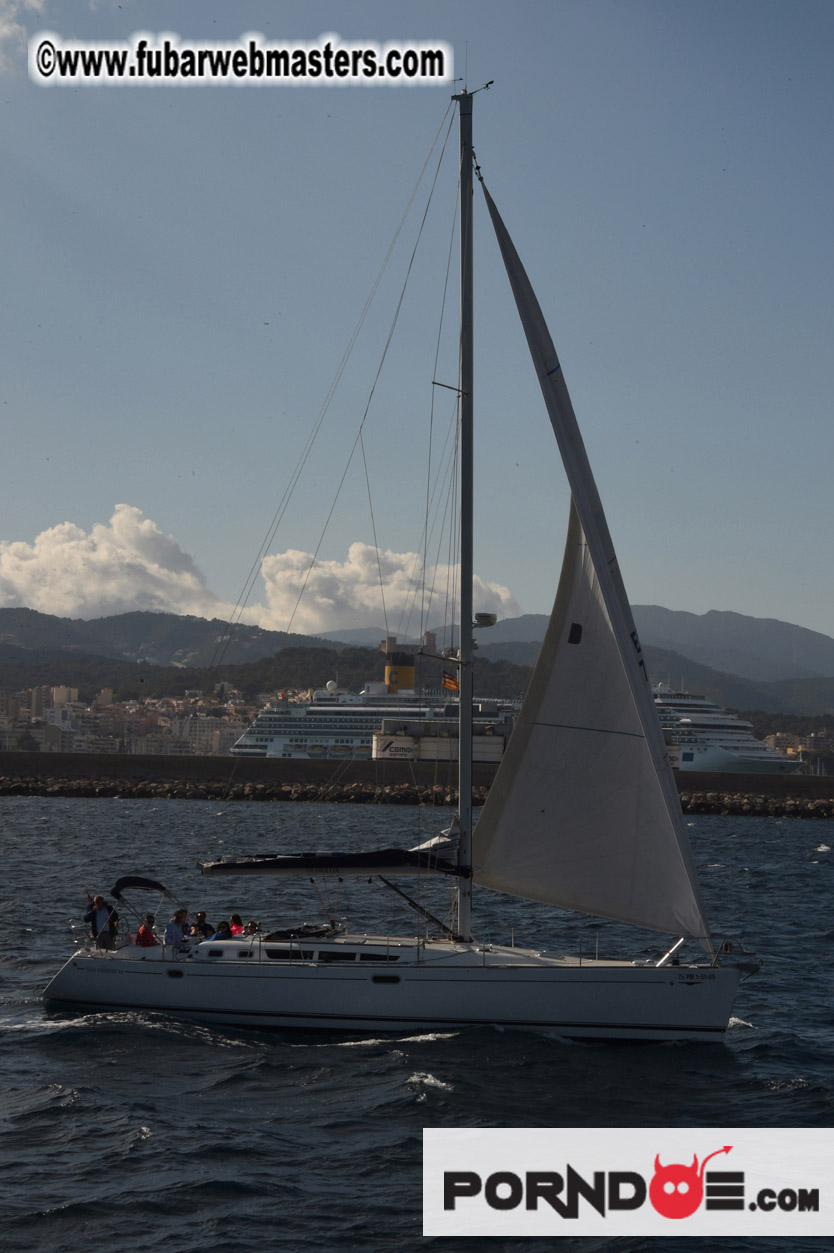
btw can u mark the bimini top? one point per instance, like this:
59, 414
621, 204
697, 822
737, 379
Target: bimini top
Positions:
136, 881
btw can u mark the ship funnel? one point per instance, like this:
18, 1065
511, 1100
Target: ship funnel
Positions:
399, 671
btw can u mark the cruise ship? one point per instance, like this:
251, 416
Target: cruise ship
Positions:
333, 728
703, 736
386, 720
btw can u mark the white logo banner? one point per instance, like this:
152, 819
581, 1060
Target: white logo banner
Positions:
632, 1181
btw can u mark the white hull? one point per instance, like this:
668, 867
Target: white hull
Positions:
712, 758
703, 736
450, 986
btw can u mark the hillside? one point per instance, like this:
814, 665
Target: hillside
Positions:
753, 648
789, 696
298, 668
149, 654
759, 649
161, 639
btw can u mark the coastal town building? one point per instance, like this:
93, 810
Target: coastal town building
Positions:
53, 720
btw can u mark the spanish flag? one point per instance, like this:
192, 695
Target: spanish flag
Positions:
449, 681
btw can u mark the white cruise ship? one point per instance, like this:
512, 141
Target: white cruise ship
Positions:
703, 736
337, 725
333, 725
340, 725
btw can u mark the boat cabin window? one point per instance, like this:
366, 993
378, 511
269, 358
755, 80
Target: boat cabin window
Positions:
289, 954
336, 955
378, 957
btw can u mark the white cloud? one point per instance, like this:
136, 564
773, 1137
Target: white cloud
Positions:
127, 564
13, 34
130, 564
347, 594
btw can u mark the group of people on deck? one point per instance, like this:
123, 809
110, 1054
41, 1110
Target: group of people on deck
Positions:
178, 930
102, 920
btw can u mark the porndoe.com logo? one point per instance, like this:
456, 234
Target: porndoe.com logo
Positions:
628, 1181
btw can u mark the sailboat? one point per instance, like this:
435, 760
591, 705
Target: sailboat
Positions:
583, 814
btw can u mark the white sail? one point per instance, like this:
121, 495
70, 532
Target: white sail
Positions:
584, 811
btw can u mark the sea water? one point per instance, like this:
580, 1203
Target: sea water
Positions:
132, 1131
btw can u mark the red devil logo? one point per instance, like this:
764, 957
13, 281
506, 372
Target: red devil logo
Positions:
676, 1191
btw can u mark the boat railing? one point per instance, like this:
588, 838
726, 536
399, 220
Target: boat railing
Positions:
727, 947
734, 948
82, 939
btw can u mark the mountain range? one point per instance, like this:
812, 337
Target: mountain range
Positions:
157, 639
737, 660
762, 649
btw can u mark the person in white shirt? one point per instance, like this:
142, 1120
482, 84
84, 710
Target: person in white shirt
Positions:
175, 931
102, 918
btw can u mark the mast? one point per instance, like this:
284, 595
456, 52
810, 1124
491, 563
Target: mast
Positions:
466, 519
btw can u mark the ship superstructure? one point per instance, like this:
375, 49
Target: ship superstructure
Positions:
703, 736
387, 720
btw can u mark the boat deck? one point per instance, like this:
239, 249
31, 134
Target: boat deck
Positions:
381, 950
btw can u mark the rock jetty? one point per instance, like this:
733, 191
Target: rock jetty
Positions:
221, 779
758, 805
150, 789
370, 792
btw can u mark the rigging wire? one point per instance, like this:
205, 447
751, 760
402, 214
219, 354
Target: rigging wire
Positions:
251, 578
441, 493
451, 495
373, 530
423, 545
424, 607
387, 345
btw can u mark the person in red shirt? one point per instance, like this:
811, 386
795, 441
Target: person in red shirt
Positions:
145, 937
236, 924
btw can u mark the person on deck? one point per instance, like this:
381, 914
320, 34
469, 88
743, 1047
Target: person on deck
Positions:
145, 937
102, 920
175, 931
201, 928
223, 932
236, 924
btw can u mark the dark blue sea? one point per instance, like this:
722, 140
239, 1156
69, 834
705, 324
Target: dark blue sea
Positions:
130, 1131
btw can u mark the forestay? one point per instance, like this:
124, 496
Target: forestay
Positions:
584, 811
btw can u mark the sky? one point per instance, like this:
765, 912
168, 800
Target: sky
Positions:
183, 269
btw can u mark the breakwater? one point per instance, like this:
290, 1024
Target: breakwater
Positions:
344, 793
759, 805
367, 783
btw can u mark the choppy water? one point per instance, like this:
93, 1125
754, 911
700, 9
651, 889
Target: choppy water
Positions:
129, 1131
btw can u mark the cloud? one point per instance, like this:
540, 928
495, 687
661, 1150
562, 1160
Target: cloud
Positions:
346, 594
13, 34
127, 564
131, 564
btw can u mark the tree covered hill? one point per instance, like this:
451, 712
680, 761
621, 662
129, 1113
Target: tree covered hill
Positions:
40, 650
160, 639
296, 668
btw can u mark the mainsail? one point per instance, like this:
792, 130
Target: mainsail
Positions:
584, 811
